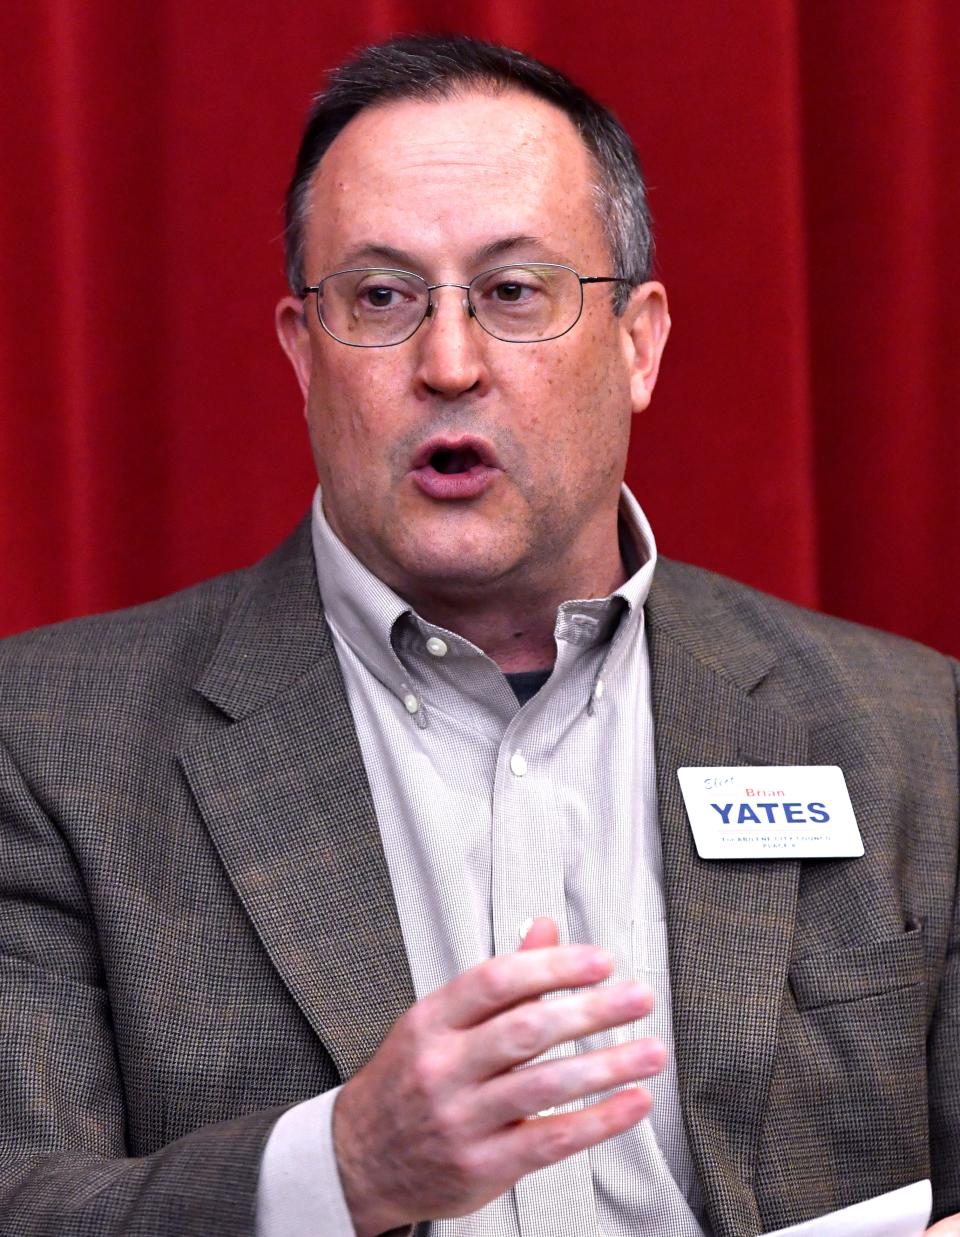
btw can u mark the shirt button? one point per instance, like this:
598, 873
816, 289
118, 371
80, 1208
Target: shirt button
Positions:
411, 703
525, 927
598, 689
437, 647
518, 766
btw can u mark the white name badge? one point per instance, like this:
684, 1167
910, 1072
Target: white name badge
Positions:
771, 812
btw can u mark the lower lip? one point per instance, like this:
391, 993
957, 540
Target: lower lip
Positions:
455, 485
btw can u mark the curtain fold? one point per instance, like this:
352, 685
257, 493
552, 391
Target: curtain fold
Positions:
881, 117
803, 177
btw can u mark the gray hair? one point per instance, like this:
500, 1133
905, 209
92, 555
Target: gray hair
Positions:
434, 67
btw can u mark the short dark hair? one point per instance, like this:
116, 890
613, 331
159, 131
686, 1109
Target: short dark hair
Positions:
434, 67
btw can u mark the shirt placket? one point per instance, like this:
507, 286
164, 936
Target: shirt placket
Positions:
527, 881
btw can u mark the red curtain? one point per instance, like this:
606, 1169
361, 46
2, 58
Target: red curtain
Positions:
802, 157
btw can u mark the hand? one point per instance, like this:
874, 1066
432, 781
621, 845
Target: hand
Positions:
949, 1227
436, 1123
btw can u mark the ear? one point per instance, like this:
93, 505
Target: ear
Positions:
294, 336
645, 325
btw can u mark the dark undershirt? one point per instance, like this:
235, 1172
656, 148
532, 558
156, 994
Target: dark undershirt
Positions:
526, 683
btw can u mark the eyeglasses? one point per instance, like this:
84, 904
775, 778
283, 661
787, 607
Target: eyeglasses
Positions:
374, 307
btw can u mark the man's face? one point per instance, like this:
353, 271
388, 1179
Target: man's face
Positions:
540, 430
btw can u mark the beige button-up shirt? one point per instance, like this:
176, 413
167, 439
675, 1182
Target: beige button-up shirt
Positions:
492, 813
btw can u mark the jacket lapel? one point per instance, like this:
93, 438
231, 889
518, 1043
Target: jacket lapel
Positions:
284, 795
730, 924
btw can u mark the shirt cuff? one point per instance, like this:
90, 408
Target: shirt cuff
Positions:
299, 1192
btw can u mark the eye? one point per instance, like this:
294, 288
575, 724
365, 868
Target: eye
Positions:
512, 288
511, 292
379, 292
379, 296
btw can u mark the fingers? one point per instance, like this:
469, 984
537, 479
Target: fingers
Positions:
496, 985
530, 1145
526, 1092
542, 932
433, 1123
531, 1028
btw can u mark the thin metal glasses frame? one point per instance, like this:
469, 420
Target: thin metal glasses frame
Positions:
317, 288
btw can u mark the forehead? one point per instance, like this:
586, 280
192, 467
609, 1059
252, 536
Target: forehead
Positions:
445, 178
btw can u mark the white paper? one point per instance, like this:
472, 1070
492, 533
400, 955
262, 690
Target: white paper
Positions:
901, 1213
770, 812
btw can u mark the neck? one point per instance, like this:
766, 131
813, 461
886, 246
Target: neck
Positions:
514, 631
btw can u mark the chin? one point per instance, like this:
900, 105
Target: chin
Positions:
455, 568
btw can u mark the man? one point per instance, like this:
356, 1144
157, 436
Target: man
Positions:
437, 733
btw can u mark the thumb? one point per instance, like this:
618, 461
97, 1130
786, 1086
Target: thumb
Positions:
950, 1227
541, 933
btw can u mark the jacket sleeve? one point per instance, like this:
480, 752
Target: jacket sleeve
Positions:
944, 1068
64, 1161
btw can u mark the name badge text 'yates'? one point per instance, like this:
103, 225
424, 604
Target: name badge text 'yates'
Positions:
770, 812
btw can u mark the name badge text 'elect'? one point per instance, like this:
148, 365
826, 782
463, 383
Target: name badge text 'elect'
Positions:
771, 812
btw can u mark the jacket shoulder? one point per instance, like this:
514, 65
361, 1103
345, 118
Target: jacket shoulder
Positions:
175, 631
732, 626
141, 660
698, 599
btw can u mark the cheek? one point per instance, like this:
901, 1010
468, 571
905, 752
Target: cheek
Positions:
593, 431
590, 391
345, 408
337, 441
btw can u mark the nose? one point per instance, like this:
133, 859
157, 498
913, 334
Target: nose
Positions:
451, 346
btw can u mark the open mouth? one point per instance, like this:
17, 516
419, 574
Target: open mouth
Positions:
456, 468
449, 460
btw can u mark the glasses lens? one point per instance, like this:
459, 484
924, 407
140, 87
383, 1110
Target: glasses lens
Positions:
372, 308
524, 304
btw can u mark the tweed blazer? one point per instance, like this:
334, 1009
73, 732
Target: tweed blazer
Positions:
197, 927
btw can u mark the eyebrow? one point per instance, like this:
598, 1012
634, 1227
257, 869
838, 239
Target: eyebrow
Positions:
372, 251
505, 246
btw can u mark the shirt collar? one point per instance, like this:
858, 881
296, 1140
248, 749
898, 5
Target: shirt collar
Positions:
639, 550
359, 606
368, 614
